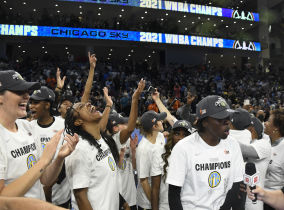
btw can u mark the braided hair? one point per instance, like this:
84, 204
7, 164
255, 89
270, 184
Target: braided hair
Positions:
70, 128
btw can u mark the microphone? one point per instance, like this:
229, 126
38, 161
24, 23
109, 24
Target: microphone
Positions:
251, 178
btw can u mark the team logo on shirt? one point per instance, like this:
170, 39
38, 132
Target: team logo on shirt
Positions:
111, 163
123, 165
214, 179
31, 160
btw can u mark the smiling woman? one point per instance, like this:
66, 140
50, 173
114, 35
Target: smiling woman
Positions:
92, 168
23, 169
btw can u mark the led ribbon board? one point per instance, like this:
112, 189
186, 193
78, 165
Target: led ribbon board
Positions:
179, 7
106, 34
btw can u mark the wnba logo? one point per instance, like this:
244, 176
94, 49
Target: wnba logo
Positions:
214, 179
31, 160
111, 163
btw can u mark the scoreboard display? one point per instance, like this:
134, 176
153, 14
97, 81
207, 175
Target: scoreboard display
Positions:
179, 7
106, 34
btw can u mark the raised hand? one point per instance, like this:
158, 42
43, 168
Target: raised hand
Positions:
140, 88
108, 99
60, 82
92, 60
156, 95
133, 142
50, 148
69, 146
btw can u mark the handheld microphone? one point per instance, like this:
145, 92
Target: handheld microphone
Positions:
251, 178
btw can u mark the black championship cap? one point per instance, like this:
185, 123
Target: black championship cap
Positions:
115, 119
213, 106
150, 118
241, 119
13, 81
66, 98
258, 126
183, 124
43, 94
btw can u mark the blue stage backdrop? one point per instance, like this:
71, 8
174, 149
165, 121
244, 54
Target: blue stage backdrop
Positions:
88, 33
179, 7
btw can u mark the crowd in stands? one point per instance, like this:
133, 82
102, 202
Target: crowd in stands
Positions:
262, 89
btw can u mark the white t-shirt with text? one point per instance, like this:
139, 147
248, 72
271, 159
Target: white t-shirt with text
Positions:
87, 168
205, 173
19, 152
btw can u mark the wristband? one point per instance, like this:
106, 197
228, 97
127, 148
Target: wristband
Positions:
108, 106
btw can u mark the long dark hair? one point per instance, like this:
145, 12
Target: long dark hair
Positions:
168, 147
70, 128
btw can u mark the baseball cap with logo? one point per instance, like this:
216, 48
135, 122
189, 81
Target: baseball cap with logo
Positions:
150, 118
183, 124
13, 81
241, 119
213, 106
115, 119
258, 127
43, 94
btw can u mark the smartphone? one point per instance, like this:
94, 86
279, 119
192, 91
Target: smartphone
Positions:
151, 89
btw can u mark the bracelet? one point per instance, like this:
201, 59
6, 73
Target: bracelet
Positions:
58, 88
108, 106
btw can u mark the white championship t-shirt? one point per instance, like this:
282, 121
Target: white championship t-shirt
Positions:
18, 152
158, 169
242, 136
61, 193
275, 172
263, 149
86, 168
125, 173
205, 173
144, 155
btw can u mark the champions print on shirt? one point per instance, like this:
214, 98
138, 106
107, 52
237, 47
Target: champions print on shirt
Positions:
102, 155
214, 178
